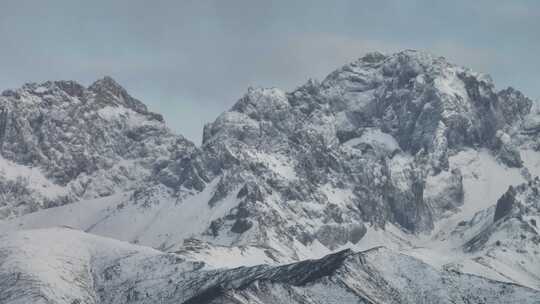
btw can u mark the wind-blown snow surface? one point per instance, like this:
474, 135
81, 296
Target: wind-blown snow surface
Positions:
62, 265
405, 151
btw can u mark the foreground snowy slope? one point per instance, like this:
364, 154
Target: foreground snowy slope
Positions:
62, 265
406, 151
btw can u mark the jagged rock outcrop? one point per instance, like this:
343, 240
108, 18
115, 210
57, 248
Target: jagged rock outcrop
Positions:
505, 204
374, 131
81, 143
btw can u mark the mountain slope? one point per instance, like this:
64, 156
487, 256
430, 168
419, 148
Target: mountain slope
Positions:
73, 267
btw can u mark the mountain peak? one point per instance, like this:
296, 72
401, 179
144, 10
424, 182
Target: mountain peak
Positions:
373, 57
108, 90
106, 82
108, 87
72, 88
376, 56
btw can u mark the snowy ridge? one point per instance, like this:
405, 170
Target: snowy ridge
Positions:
69, 266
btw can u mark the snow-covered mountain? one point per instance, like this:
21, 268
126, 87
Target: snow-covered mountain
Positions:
405, 151
61, 142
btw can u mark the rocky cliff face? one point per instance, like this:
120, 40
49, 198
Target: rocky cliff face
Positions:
405, 150
79, 143
360, 147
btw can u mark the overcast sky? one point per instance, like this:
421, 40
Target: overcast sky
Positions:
191, 60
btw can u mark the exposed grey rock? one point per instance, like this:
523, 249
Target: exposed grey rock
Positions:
241, 225
355, 128
334, 236
508, 151
505, 204
86, 142
449, 194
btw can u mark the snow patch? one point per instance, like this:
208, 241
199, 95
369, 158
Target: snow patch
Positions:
36, 180
278, 163
376, 138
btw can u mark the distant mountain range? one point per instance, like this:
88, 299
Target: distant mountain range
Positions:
399, 178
